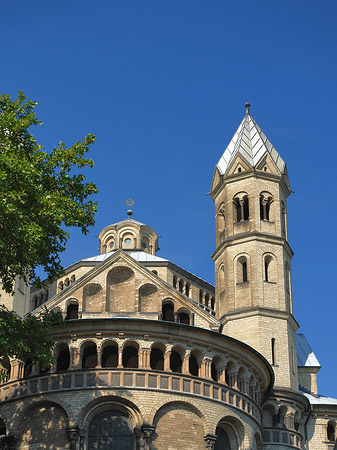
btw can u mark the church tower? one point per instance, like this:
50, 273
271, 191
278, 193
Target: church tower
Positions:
252, 257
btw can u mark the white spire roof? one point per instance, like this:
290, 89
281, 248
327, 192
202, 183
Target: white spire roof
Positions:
250, 141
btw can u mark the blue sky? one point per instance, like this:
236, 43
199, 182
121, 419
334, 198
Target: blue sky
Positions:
162, 84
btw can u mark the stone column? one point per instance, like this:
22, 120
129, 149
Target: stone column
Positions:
206, 364
16, 370
242, 211
99, 357
185, 368
75, 358
73, 435
210, 440
167, 361
120, 357
147, 431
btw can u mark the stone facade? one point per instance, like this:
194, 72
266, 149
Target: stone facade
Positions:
153, 357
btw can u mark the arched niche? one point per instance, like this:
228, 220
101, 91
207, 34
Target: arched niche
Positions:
157, 357
110, 355
89, 355
130, 355
62, 357
121, 290
93, 298
168, 311
72, 310
148, 298
175, 420
43, 425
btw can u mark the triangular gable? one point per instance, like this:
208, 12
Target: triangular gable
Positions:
91, 290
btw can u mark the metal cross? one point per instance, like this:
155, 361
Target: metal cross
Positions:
130, 203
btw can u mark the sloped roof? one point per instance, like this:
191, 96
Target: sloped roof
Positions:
320, 399
250, 141
139, 256
305, 356
128, 221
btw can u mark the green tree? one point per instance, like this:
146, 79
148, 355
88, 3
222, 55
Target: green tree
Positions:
41, 194
27, 338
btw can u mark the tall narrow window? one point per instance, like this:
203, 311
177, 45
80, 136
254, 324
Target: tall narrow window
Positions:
241, 208
331, 432
273, 355
168, 312
265, 203
242, 270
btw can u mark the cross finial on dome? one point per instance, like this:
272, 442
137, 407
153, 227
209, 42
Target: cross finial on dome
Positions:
130, 202
247, 105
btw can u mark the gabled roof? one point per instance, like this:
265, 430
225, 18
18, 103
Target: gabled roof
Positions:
250, 141
305, 356
139, 256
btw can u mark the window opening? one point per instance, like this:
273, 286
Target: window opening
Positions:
157, 359
168, 312
193, 366
110, 356
72, 311
175, 362
130, 357
273, 360
89, 359
63, 360
331, 432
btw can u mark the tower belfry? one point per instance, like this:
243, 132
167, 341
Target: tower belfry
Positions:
252, 256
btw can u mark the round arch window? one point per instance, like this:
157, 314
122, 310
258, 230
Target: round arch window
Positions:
127, 241
112, 244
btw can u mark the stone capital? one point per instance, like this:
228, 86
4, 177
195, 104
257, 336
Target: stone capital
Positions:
210, 440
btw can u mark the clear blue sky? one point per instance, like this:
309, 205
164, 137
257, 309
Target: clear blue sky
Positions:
162, 84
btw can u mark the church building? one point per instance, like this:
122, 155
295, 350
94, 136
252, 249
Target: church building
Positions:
153, 357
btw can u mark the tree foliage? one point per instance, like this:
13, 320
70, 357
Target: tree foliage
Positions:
40, 195
27, 338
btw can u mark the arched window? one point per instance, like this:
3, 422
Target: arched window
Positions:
66, 282
242, 270
265, 204
111, 429
72, 279
61, 286
331, 432
63, 359
193, 366
267, 263
157, 359
212, 303
175, 362
241, 208
187, 289
181, 286
207, 300
201, 296
283, 219
168, 312
273, 352
72, 311
110, 356
214, 372
89, 357
130, 357
175, 282
184, 317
